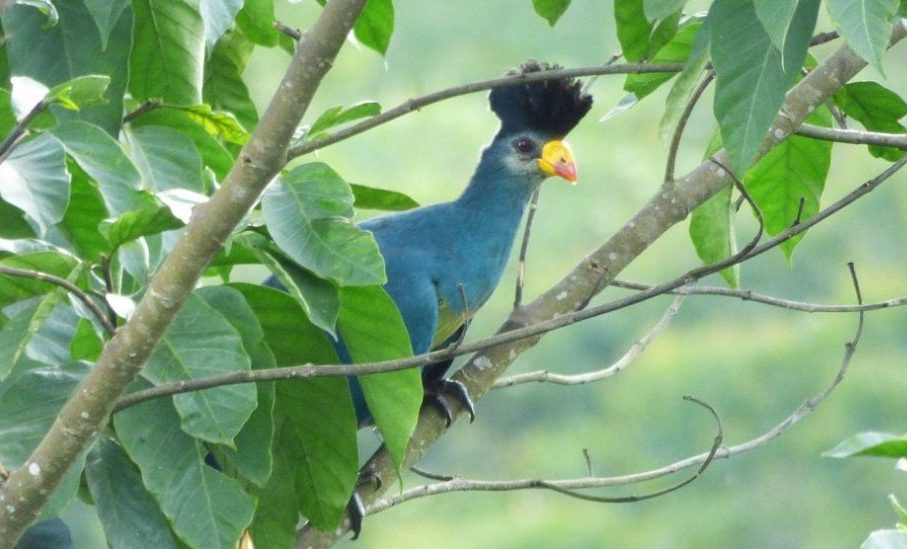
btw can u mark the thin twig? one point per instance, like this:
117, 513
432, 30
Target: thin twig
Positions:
681, 125
854, 137
611, 60
295, 34
66, 285
524, 247
144, 108
327, 370
14, 137
464, 89
567, 487
749, 295
640, 345
823, 37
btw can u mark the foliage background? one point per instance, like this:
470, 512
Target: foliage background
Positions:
754, 364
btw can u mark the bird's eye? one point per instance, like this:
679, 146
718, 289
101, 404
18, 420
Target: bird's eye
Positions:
523, 145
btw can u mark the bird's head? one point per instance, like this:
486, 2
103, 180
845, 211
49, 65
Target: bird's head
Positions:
535, 117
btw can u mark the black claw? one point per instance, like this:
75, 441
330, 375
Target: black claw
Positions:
369, 477
443, 389
355, 510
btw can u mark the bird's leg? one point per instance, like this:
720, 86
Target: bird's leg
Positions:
439, 388
355, 509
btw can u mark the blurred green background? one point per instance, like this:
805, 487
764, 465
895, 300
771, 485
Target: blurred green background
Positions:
753, 363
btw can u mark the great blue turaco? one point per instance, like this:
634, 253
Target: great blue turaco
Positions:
443, 261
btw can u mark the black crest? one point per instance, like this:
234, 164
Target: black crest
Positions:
553, 107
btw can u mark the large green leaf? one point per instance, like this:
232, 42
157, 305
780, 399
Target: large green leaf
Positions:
675, 51
274, 524
256, 20
375, 25
751, 79
105, 14
307, 212
712, 233
224, 88
128, 513
336, 116
138, 223
681, 91
199, 343
166, 158
317, 296
776, 17
204, 506
871, 444
74, 47
167, 56
656, 10
79, 93
878, 109
29, 404
373, 330
35, 180
13, 289
213, 154
21, 348
84, 214
252, 456
639, 38
793, 171
218, 124
104, 160
865, 25
218, 16
373, 198
320, 410
550, 10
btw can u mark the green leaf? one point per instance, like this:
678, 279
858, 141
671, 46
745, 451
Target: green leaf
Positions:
138, 223
256, 20
373, 330
252, 455
74, 47
204, 507
681, 91
105, 14
675, 51
29, 404
13, 289
167, 55
224, 88
871, 444
373, 198
35, 180
792, 171
307, 212
656, 10
104, 160
86, 345
218, 16
751, 81
317, 296
80, 92
83, 216
274, 524
7, 118
375, 25
166, 159
638, 38
200, 343
127, 511
550, 10
213, 154
885, 539
712, 233
775, 17
865, 25
218, 124
45, 7
336, 116
878, 109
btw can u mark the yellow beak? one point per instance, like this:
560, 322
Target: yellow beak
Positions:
557, 159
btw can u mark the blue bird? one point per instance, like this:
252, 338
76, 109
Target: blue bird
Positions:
444, 261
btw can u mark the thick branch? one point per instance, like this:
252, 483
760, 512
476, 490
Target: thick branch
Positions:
88, 410
667, 208
854, 137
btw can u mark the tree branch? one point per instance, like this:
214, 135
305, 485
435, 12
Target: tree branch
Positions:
14, 137
640, 345
473, 87
66, 285
854, 137
87, 411
681, 125
667, 208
